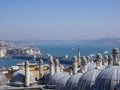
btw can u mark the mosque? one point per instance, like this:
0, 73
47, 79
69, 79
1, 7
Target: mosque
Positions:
85, 74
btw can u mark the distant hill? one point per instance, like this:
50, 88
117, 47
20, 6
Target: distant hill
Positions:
104, 41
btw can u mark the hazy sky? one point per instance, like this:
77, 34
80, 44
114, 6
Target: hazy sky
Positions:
59, 19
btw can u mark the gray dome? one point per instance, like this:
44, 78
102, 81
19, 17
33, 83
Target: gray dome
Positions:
3, 79
62, 82
56, 77
19, 77
73, 81
108, 78
91, 66
46, 76
87, 81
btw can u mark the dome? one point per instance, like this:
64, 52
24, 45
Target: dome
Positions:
73, 81
19, 77
46, 76
87, 81
108, 78
62, 82
3, 79
56, 77
91, 66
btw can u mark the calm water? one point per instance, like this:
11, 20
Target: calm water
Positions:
62, 50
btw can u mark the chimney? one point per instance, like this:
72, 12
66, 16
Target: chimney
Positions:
88, 59
74, 65
27, 83
115, 56
99, 60
84, 64
51, 66
110, 60
106, 60
40, 68
57, 68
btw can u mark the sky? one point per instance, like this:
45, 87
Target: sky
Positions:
59, 19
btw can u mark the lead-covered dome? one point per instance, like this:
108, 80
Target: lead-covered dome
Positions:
19, 77
73, 81
87, 81
108, 78
3, 79
62, 82
56, 77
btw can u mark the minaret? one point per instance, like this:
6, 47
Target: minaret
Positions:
27, 83
79, 60
74, 65
84, 64
57, 68
51, 66
40, 68
115, 56
110, 60
99, 60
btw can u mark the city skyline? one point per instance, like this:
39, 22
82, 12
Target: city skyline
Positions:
59, 20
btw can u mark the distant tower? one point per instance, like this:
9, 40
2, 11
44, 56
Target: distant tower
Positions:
51, 66
74, 65
115, 56
40, 68
57, 68
84, 64
79, 60
99, 60
27, 83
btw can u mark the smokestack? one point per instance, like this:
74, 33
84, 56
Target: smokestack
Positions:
27, 83
40, 68
74, 65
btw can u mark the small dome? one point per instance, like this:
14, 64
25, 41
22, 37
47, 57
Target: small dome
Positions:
56, 77
87, 81
19, 77
108, 78
46, 76
73, 81
91, 66
62, 82
3, 79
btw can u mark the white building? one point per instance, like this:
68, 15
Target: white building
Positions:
2, 52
